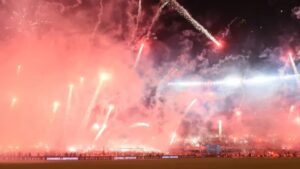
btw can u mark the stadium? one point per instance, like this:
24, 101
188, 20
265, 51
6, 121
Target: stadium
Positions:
149, 83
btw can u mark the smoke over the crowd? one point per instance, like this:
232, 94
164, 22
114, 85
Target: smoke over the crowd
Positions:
70, 78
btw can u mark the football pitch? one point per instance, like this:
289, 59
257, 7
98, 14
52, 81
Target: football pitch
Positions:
206, 163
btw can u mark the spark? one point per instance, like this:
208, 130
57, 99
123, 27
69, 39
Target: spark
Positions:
220, 128
138, 57
297, 120
188, 108
104, 77
184, 13
55, 106
104, 126
173, 137
292, 108
140, 124
13, 102
69, 99
238, 113
95, 126
19, 67
72, 149
81, 80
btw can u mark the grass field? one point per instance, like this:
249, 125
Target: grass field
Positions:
209, 163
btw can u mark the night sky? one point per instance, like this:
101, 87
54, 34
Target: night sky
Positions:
255, 25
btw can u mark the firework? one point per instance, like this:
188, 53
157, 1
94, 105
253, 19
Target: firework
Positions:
297, 120
81, 80
140, 124
13, 102
238, 113
294, 67
69, 99
292, 108
220, 128
188, 108
183, 12
173, 137
138, 57
55, 106
138, 18
104, 126
96, 127
103, 77
155, 18
19, 67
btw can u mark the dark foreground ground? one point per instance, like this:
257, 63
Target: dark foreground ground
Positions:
208, 163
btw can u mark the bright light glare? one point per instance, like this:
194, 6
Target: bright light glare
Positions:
96, 126
104, 76
233, 81
259, 80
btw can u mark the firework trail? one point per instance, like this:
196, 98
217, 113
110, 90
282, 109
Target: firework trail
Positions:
183, 12
55, 106
13, 102
138, 18
155, 18
220, 128
69, 99
294, 68
104, 126
99, 16
188, 108
19, 68
140, 124
103, 78
138, 57
173, 137
163, 81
